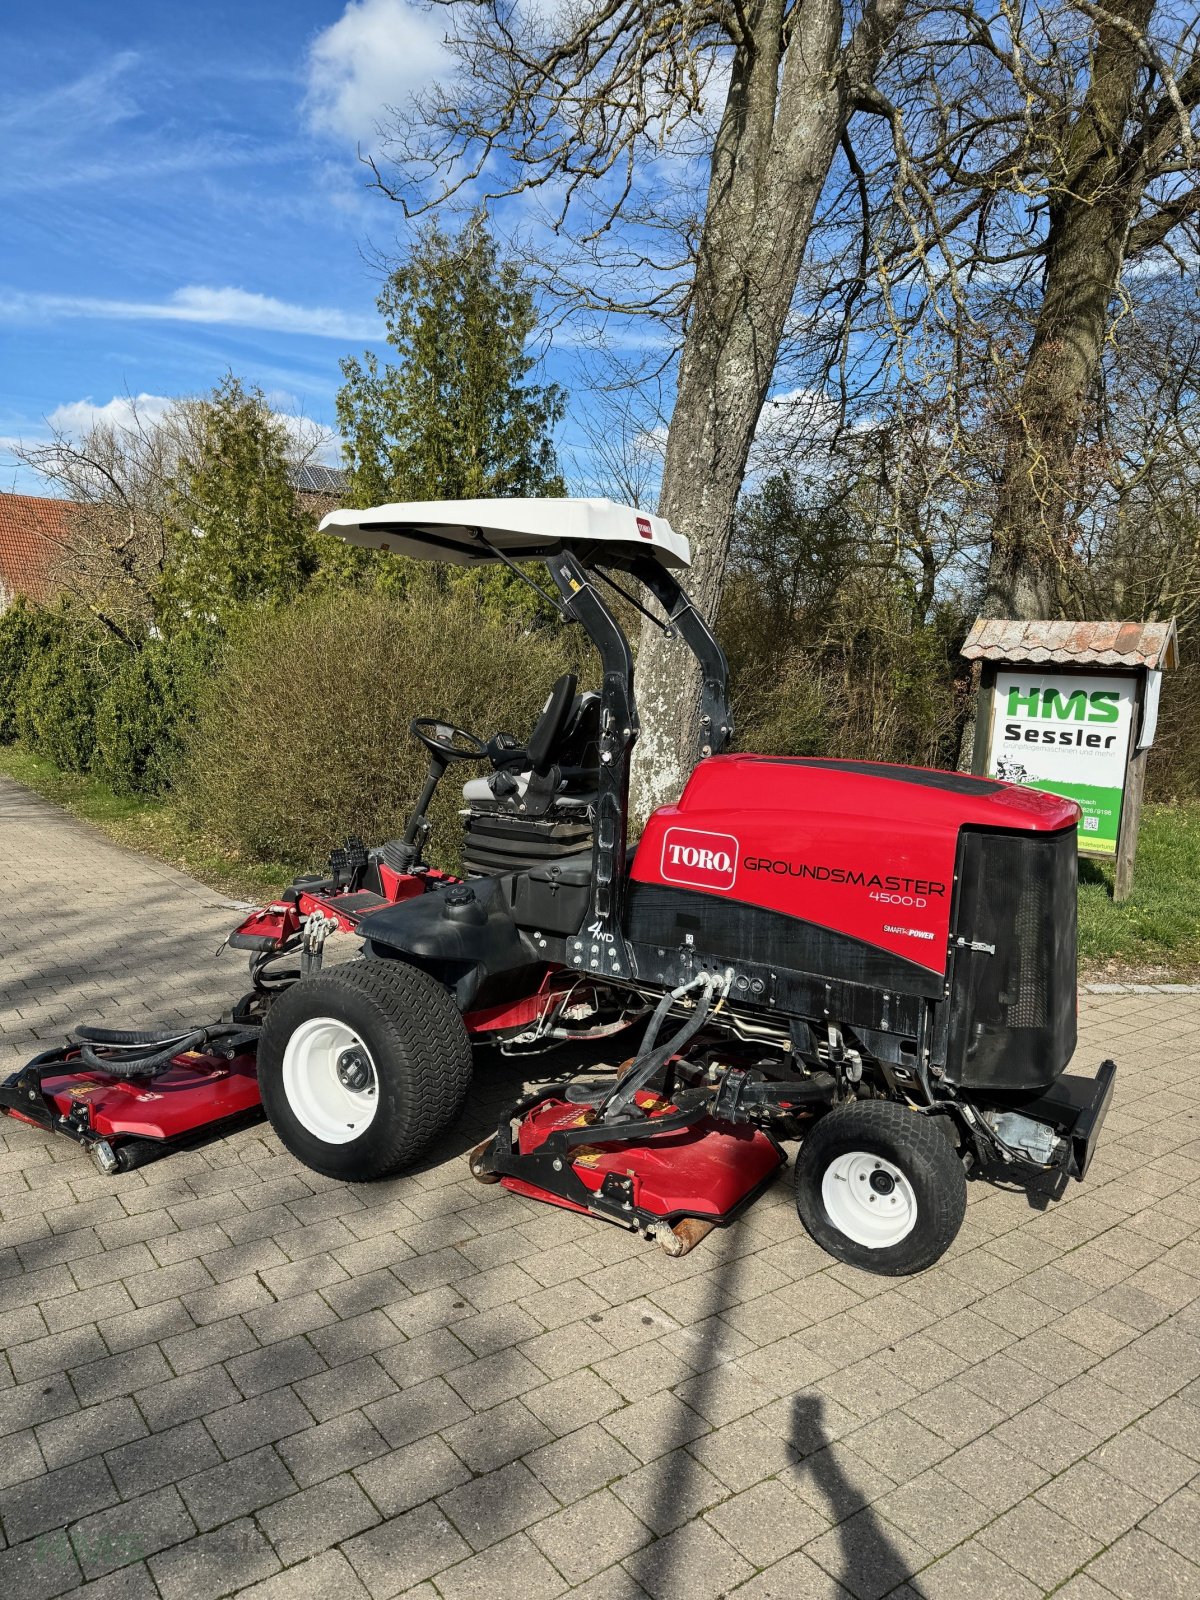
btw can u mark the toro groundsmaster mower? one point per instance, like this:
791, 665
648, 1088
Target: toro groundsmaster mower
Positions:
876, 960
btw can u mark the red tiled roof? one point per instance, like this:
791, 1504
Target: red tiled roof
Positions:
1109, 644
32, 532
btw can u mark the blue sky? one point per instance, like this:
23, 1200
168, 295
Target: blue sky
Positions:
180, 195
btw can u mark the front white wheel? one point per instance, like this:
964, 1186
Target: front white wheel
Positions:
330, 1081
361, 1068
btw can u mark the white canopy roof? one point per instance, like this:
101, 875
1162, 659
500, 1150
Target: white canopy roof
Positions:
446, 530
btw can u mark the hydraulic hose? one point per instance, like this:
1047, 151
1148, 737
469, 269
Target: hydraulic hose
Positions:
137, 1053
651, 1059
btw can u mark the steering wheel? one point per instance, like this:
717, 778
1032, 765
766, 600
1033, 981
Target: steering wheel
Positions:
447, 742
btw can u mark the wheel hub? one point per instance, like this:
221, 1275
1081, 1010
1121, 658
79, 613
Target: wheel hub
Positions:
353, 1070
869, 1199
329, 1079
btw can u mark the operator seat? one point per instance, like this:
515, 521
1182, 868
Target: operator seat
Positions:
511, 829
518, 763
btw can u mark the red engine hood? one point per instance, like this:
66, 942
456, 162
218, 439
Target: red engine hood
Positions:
865, 849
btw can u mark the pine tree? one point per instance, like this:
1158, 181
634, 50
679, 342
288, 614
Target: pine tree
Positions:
455, 417
236, 535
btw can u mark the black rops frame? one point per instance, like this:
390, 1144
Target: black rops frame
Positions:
600, 946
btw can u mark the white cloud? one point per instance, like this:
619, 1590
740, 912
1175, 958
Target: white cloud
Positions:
97, 130
377, 54
75, 417
236, 306
216, 307
96, 99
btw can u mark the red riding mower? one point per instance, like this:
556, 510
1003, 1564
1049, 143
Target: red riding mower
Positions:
876, 960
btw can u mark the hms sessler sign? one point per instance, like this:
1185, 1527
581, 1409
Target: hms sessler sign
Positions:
1067, 733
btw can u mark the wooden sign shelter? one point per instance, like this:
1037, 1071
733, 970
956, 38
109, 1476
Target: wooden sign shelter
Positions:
1071, 707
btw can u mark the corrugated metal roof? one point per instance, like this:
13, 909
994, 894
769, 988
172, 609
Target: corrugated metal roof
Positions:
1107, 644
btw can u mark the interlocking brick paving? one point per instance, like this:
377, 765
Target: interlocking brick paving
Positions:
223, 1374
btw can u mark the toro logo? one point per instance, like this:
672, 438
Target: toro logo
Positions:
699, 860
645, 527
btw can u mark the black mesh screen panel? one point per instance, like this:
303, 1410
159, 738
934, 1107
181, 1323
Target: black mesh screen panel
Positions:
1013, 1011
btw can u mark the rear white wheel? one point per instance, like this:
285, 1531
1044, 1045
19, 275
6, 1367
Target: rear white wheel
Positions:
869, 1199
330, 1080
880, 1186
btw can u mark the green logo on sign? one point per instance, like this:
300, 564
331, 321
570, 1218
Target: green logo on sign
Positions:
1078, 706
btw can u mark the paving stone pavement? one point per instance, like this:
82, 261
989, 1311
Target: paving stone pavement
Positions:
223, 1374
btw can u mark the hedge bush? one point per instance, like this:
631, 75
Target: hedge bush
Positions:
303, 736
70, 661
861, 678
25, 631
147, 710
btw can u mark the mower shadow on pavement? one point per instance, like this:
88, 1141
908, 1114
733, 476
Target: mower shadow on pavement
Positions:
668, 1482
669, 1485
684, 1450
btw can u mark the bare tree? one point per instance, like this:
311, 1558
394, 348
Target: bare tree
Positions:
116, 477
1112, 201
624, 427
738, 107
1137, 482
1032, 173
128, 483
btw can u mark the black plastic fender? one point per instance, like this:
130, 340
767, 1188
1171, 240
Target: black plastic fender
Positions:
464, 934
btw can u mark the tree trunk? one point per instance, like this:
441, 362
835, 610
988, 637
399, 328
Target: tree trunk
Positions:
1089, 221
788, 103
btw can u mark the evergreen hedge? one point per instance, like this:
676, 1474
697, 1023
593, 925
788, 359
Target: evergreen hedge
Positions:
146, 712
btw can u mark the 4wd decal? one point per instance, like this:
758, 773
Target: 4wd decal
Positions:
699, 860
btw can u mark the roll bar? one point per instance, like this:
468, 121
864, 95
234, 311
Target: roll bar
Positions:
600, 946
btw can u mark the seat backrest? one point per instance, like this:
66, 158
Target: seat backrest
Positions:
567, 736
579, 747
549, 726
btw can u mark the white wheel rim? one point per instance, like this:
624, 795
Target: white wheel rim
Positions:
868, 1199
330, 1080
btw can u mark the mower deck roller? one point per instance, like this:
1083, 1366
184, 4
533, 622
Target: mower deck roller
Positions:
874, 961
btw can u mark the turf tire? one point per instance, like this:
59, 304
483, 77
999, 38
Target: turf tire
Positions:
914, 1144
420, 1050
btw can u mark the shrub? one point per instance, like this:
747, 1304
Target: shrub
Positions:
779, 706
892, 678
860, 676
147, 710
836, 641
70, 664
1173, 772
25, 631
303, 736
